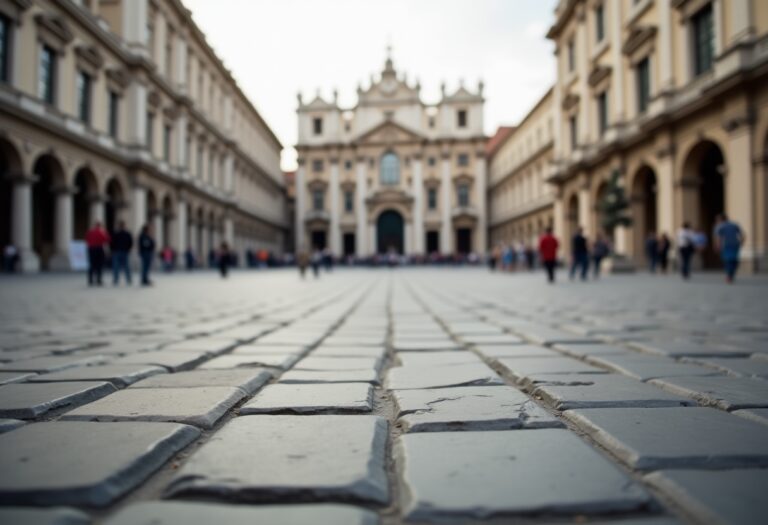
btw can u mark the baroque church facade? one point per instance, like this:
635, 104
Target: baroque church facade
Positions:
392, 173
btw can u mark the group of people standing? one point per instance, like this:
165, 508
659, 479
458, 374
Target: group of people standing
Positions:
582, 254
513, 256
318, 258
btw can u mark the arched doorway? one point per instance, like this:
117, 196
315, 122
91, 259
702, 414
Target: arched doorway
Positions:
704, 169
86, 190
390, 232
113, 205
644, 209
49, 175
10, 166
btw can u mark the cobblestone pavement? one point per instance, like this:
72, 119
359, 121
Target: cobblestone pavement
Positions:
364, 397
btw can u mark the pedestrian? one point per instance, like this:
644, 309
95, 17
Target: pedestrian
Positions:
327, 259
122, 242
579, 254
223, 258
663, 253
96, 239
10, 258
316, 261
548, 246
530, 257
600, 251
508, 258
652, 251
189, 259
169, 258
728, 238
146, 253
302, 261
494, 257
686, 246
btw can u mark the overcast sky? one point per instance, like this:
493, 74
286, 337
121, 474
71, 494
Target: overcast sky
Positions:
276, 48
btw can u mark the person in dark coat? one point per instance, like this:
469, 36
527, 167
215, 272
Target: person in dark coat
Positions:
96, 239
122, 242
652, 251
147, 253
224, 259
579, 254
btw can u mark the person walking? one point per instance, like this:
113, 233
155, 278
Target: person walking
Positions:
686, 246
317, 259
579, 254
189, 259
96, 239
122, 242
302, 261
494, 258
223, 259
147, 253
663, 252
728, 237
600, 251
10, 258
169, 258
548, 246
652, 251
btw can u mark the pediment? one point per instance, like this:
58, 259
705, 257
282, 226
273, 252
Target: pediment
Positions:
318, 103
388, 133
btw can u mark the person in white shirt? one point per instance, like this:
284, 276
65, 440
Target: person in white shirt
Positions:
686, 246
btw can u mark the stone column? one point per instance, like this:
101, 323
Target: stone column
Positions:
229, 173
180, 63
136, 113
157, 226
63, 234
666, 73
558, 215
418, 207
229, 231
335, 224
139, 207
740, 189
301, 207
22, 224
135, 25
582, 66
182, 231
181, 142
362, 247
408, 239
740, 20
446, 227
481, 174
617, 60
372, 248
585, 208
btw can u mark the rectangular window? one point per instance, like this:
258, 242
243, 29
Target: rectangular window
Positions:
5, 49
574, 128
349, 201
463, 195
571, 55
317, 126
600, 23
643, 81
602, 111
114, 114
461, 118
703, 40
150, 131
463, 159
167, 135
47, 75
318, 199
317, 166
432, 198
431, 161
84, 97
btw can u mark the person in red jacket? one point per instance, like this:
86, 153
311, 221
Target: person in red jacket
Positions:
96, 239
548, 252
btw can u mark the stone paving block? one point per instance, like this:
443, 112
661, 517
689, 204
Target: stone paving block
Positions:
103, 461
6, 425
200, 406
291, 339
728, 393
437, 358
689, 437
259, 349
119, 375
438, 376
290, 458
497, 339
478, 475
739, 367
564, 392
545, 335
189, 513
376, 352
28, 401
735, 497
210, 345
521, 350
469, 408
687, 349
52, 516
759, 415
338, 363
249, 380
283, 361
15, 377
424, 345
595, 349
51, 363
173, 361
331, 398
644, 366
520, 368
324, 376
356, 340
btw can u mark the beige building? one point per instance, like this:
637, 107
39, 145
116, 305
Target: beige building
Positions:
119, 110
392, 173
521, 203
671, 94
